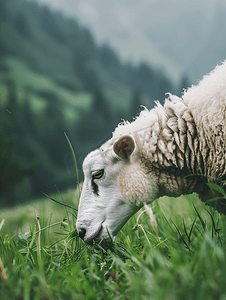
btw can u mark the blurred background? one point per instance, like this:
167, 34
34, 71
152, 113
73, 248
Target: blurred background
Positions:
80, 67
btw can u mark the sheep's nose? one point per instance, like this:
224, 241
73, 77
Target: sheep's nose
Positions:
82, 233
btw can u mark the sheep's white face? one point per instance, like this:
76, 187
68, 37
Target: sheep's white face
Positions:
103, 208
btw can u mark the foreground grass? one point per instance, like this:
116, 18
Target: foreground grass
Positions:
183, 257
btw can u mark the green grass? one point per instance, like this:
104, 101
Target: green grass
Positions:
182, 258
25, 78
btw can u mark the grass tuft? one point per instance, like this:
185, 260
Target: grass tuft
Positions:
182, 257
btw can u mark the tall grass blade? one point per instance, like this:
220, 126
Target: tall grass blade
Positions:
192, 226
185, 230
215, 199
216, 187
200, 218
69, 206
74, 158
182, 238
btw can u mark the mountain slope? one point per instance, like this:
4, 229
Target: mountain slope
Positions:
181, 31
54, 78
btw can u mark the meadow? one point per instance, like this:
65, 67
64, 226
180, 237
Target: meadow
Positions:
182, 256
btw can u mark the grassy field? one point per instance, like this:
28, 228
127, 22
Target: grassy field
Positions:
182, 257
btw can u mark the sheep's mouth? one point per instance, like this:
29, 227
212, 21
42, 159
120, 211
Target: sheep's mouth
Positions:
96, 235
98, 242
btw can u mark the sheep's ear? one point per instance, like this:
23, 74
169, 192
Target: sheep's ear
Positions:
124, 147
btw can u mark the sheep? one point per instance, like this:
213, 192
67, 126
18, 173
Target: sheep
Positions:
169, 150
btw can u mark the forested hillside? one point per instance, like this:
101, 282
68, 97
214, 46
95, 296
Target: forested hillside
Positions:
54, 78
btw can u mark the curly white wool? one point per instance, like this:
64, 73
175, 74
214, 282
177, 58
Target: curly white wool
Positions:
188, 134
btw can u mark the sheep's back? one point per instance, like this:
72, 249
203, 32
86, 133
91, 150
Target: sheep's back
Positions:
207, 104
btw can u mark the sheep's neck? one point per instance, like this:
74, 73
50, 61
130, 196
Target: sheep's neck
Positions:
172, 151
172, 143
178, 155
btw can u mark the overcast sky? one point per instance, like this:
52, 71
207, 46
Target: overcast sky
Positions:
167, 33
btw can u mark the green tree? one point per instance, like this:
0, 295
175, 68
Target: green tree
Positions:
135, 103
23, 24
110, 61
95, 126
184, 84
49, 23
13, 167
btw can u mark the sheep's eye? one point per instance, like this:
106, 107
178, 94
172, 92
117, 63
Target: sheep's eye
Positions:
98, 174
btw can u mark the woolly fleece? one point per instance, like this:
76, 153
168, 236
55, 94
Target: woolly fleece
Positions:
186, 136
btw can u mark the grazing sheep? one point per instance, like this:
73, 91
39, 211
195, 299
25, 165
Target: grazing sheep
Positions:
172, 149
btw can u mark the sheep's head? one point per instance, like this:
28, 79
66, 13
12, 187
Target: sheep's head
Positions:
115, 185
